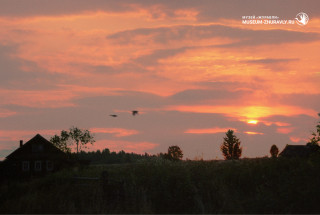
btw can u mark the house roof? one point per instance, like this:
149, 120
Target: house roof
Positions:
296, 151
28, 149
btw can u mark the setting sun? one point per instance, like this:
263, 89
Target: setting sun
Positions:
253, 122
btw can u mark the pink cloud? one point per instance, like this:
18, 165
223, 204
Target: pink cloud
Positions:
118, 132
6, 113
295, 139
34, 98
16, 135
268, 123
285, 130
208, 130
282, 124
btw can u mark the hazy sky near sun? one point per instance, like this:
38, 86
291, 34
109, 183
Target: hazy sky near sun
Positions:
191, 68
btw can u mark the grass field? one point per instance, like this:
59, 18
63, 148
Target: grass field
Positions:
261, 185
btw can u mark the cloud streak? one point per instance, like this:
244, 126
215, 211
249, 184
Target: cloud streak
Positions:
118, 132
208, 130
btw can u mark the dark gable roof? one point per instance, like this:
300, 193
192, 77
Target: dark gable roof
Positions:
26, 150
296, 151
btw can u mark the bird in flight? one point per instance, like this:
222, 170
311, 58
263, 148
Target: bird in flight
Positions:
135, 112
113, 115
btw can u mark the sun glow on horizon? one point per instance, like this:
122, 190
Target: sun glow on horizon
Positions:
254, 122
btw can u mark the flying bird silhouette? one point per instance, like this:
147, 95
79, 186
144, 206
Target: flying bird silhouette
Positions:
135, 112
113, 115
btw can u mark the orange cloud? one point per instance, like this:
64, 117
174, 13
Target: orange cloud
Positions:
62, 44
219, 64
208, 130
55, 41
312, 26
33, 98
118, 132
295, 139
244, 113
163, 51
51, 98
285, 130
282, 124
252, 132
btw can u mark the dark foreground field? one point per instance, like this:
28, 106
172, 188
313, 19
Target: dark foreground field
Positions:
160, 186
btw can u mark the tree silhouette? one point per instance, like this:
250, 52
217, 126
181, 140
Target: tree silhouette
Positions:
74, 135
61, 142
174, 153
230, 147
315, 140
274, 151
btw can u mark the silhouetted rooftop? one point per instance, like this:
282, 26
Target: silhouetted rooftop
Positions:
296, 151
28, 149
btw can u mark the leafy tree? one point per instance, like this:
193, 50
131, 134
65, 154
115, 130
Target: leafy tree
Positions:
274, 151
174, 153
230, 147
81, 137
61, 142
74, 135
315, 140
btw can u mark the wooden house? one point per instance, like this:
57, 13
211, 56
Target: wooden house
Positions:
36, 157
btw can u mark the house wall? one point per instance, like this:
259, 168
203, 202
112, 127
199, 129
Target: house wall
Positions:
37, 157
18, 168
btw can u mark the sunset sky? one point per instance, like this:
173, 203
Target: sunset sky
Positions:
191, 68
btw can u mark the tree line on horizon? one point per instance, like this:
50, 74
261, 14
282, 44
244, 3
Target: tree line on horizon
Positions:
230, 147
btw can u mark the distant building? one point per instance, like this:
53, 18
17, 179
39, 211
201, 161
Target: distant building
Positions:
297, 151
38, 156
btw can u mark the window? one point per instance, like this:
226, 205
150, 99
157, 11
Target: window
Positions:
25, 165
37, 165
49, 165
